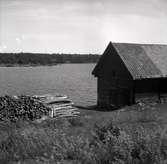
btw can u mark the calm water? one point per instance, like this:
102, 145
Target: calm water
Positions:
74, 80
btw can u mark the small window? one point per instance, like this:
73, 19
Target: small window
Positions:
113, 73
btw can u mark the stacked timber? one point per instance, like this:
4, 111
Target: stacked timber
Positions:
60, 105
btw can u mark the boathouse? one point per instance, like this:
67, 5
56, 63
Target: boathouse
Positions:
127, 70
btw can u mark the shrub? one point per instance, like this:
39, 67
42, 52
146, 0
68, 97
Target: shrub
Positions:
108, 145
102, 131
112, 145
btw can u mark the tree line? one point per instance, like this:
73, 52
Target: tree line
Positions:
46, 59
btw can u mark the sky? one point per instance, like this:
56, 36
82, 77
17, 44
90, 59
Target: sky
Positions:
79, 26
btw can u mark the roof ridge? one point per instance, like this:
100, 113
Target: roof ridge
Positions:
135, 43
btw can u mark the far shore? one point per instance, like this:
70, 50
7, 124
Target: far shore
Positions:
26, 65
36, 65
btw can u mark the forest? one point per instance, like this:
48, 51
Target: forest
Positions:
45, 59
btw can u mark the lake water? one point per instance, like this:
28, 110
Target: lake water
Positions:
74, 80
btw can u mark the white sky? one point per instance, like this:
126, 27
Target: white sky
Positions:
79, 26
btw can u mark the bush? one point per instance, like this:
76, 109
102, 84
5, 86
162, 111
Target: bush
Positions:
102, 131
108, 145
112, 145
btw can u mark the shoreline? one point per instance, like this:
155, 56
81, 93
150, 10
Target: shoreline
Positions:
36, 65
26, 65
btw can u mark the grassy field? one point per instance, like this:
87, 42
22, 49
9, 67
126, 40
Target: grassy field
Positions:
136, 134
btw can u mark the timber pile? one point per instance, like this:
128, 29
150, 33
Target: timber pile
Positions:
13, 108
21, 108
60, 105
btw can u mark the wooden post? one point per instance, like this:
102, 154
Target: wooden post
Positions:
159, 90
133, 92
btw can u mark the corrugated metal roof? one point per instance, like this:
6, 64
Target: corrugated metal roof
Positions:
143, 60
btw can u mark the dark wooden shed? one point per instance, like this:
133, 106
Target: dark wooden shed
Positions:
127, 70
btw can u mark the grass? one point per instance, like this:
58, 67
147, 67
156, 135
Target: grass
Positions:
136, 134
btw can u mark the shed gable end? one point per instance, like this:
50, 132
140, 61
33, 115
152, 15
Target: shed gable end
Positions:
111, 65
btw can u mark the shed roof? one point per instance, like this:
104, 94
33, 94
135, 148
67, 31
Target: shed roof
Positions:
143, 60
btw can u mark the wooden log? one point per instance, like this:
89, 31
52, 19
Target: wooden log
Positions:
60, 113
64, 109
66, 116
60, 105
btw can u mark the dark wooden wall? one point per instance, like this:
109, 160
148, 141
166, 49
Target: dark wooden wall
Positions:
151, 85
114, 80
114, 93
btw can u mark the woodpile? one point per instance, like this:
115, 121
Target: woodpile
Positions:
13, 108
60, 105
21, 108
